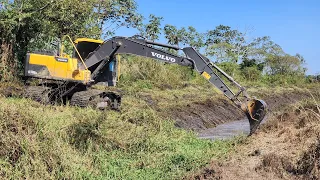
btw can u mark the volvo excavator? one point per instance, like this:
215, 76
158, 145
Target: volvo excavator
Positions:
96, 62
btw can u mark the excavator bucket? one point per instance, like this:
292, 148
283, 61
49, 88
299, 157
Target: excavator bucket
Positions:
255, 111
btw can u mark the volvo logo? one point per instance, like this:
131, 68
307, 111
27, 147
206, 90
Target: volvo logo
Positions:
61, 59
163, 57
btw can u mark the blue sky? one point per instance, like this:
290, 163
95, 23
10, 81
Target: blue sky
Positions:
294, 24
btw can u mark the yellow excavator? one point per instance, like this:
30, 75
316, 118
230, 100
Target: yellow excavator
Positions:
97, 62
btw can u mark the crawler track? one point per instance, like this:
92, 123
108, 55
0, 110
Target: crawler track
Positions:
38, 93
93, 97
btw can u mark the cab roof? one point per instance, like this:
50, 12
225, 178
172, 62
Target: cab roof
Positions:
88, 40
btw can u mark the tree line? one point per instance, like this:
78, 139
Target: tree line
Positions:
251, 59
27, 25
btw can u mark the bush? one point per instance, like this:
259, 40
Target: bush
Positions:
233, 69
148, 73
251, 73
285, 80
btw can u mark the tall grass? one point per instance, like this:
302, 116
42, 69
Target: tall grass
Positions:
61, 142
143, 73
57, 142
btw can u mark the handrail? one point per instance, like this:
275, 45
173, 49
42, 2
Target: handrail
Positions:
75, 49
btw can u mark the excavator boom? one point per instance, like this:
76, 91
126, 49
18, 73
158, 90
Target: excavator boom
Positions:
145, 48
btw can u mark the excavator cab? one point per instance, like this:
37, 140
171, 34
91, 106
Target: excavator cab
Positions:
61, 66
85, 46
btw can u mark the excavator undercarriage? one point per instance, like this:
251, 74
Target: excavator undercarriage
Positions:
96, 62
76, 94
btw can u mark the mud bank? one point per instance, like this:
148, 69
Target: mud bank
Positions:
199, 116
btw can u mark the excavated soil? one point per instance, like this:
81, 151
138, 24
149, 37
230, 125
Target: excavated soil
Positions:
207, 114
286, 147
210, 113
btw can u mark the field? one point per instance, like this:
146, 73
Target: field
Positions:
155, 134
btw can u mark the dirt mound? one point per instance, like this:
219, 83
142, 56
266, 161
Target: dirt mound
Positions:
286, 147
307, 166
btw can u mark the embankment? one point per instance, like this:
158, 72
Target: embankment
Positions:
286, 147
200, 115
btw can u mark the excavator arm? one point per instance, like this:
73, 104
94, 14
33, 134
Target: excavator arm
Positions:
145, 48
254, 109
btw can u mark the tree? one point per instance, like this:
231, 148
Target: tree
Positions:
285, 65
29, 24
171, 34
262, 47
194, 38
225, 44
113, 14
152, 29
183, 36
252, 63
256, 52
251, 73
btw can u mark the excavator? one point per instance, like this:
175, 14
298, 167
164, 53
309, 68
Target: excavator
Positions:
95, 62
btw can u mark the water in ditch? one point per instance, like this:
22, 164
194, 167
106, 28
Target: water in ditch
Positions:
227, 130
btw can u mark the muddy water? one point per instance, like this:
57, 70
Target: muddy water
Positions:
227, 130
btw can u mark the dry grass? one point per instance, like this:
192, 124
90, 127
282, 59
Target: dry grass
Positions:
286, 147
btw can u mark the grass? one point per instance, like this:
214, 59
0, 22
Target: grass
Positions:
142, 73
56, 142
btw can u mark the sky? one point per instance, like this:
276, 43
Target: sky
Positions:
293, 24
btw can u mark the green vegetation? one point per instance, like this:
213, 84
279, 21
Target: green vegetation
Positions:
139, 73
39, 24
140, 142
56, 142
